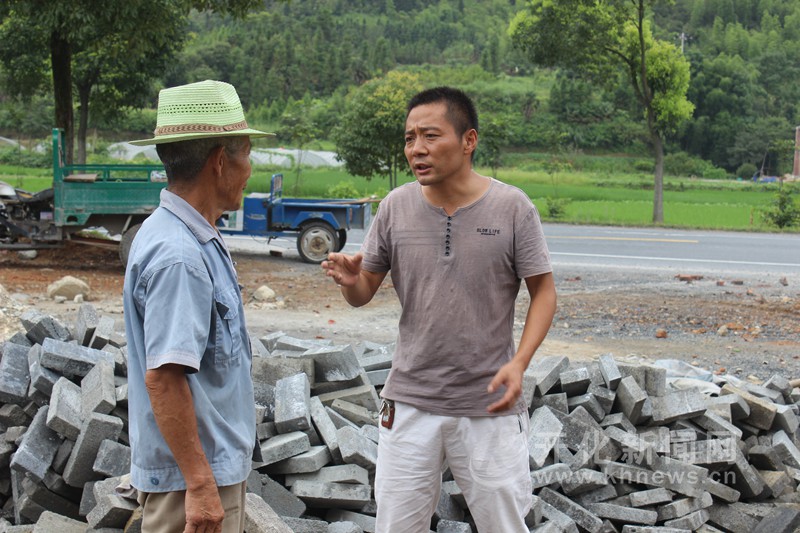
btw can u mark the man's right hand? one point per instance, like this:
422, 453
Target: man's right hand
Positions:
344, 269
204, 511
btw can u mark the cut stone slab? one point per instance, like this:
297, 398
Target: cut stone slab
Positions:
15, 377
95, 430
356, 448
334, 363
332, 495
284, 446
37, 448
69, 359
292, 409
260, 518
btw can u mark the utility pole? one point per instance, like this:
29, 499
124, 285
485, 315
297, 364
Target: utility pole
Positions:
683, 37
796, 167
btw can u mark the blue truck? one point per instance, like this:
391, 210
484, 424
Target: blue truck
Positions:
119, 198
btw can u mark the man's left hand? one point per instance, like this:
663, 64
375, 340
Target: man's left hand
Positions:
510, 376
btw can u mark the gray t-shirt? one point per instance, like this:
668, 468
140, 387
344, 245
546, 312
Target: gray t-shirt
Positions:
457, 278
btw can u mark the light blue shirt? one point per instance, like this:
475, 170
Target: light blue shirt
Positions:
183, 305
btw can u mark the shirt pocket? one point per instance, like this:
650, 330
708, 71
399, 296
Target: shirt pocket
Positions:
228, 345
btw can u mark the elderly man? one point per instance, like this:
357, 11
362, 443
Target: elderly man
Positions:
192, 414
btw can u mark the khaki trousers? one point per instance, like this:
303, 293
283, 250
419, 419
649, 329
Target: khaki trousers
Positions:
165, 512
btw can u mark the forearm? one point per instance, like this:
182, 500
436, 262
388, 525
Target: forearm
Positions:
538, 319
364, 289
171, 400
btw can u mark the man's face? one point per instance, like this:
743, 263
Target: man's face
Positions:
236, 172
435, 152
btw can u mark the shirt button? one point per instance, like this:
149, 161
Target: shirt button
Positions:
154, 480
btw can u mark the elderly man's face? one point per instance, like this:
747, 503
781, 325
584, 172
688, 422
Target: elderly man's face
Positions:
236, 171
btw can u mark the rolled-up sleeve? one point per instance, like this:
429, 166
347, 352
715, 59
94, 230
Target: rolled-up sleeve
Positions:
178, 303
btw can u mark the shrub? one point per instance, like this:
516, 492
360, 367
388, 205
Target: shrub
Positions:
715, 173
746, 171
683, 164
556, 207
343, 189
784, 212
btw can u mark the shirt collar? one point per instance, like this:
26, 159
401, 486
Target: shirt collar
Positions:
198, 225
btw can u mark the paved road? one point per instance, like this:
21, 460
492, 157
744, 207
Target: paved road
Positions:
634, 248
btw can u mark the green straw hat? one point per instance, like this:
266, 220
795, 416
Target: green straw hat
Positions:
199, 111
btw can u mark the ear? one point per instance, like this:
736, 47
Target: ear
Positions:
470, 141
216, 160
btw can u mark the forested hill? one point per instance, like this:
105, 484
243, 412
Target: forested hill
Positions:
744, 59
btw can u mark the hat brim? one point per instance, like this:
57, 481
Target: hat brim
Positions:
177, 137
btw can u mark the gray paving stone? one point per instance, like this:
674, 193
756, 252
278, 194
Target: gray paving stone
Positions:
277, 496
334, 363
609, 371
15, 377
325, 428
42, 379
292, 409
50, 522
545, 431
631, 399
103, 331
363, 395
332, 495
581, 516
111, 511
13, 415
781, 520
48, 500
575, 381
372, 361
677, 405
37, 448
69, 359
284, 446
590, 403
646, 498
113, 459
309, 461
583, 480
355, 413
691, 521
547, 370
260, 518
684, 506
356, 448
85, 323
270, 340
333, 474
39, 327
64, 415
365, 522
344, 527
451, 526
762, 412
557, 401
98, 392
619, 513
95, 430
306, 525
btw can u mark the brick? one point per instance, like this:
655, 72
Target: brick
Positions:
64, 415
294, 344
376, 361
309, 461
377, 378
111, 511
720, 490
49, 522
583, 480
260, 518
710, 452
71, 360
631, 399
95, 430
332, 495
646, 498
363, 521
277, 496
103, 331
356, 448
37, 448
42, 379
546, 371
589, 402
284, 446
604, 493
781, 520
730, 518
691, 521
447, 508
338, 420
545, 431
51, 501
561, 520
653, 529
582, 517
739, 408
344, 527
13, 415
39, 327
786, 419
717, 425
619, 513
786, 448
292, 396
605, 397
325, 428
15, 374
113, 459
747, 480
762, 412
270, 340
451, 526
655, 380
355, 413
677, 405
575, 382
98, 393
363, 395
333, 474
609, 370
85, 323
334, 363
684, 506
556, 401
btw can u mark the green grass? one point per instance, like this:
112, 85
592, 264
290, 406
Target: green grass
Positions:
593, 197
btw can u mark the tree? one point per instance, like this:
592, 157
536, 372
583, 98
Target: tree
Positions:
493, 135
598, 38
369, 138
68, 29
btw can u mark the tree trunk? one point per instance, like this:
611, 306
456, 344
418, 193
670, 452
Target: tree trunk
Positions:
83, 121
658, 181
61, 61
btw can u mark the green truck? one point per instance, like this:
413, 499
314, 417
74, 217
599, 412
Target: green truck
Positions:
117, 198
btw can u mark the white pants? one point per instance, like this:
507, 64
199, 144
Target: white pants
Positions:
488, 457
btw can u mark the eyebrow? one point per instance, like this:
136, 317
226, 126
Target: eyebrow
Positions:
424, 129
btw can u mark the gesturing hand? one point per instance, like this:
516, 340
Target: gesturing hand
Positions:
344, 269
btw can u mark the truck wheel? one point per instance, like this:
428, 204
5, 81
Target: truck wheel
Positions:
316, 241
126, 242
342, 233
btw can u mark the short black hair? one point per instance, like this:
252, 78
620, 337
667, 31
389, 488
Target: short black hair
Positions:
183, 160
460, 109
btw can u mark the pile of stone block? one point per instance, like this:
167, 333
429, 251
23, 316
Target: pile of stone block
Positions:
613, 446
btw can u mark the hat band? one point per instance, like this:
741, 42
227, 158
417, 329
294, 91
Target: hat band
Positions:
200, 128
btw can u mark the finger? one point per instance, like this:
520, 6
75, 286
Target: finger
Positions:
503, 403
497, 380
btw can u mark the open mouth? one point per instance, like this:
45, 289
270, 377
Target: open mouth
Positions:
421, 167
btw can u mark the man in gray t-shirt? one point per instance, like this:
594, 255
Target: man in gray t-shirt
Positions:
457, 245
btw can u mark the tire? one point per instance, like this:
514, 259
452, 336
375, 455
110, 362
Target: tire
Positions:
126, 242
316, 241
342, 233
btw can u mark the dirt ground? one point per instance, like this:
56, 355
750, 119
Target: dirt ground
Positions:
746, 327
